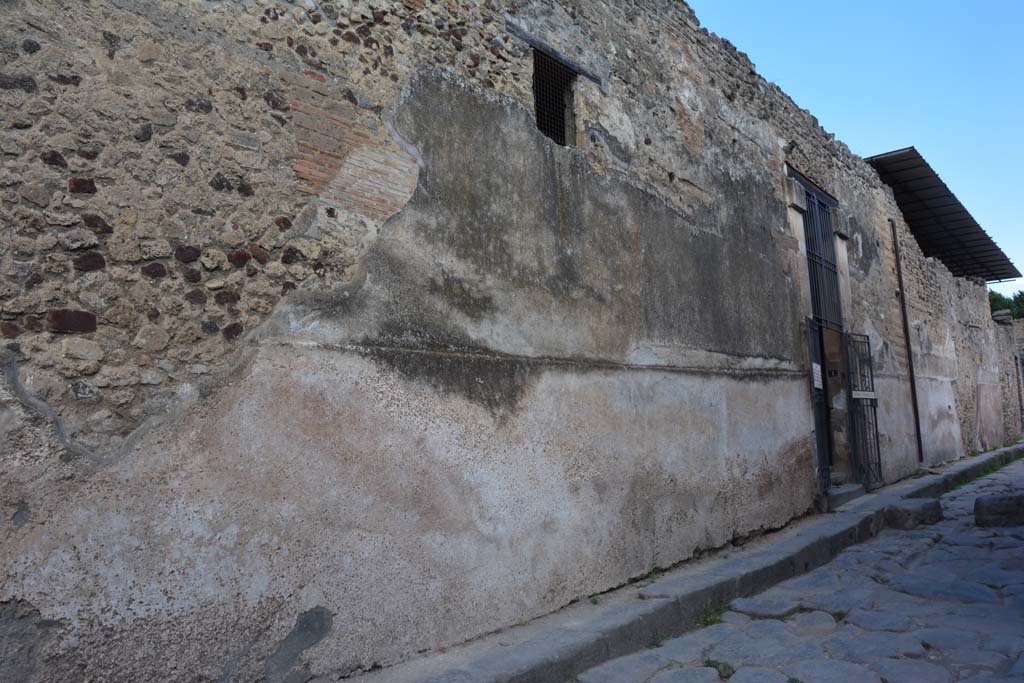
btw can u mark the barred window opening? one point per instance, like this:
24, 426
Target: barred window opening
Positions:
553, 98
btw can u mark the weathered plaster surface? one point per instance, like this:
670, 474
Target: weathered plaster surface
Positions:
407, 372
416, 518
425, 439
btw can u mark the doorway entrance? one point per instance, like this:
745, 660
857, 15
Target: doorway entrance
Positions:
842, 378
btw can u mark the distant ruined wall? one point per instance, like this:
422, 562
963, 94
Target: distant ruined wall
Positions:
1012, 390
962, 358
318, 355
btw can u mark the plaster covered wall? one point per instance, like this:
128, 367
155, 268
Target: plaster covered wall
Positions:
319, 355
964, 363
487, 392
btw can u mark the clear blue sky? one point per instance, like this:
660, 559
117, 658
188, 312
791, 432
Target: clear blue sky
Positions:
946, 76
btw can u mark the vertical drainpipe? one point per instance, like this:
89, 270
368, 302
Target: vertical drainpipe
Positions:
906, 337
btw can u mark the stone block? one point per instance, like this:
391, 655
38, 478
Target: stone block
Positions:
68, 320
81, 186
796, 195
642, 665
765, 608
81, 349
999, 510
154, 270
90, 261
909, 514
36, 193
152, 338
840, 495
702, 674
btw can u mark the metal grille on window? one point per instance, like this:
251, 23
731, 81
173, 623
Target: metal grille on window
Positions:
821, 261
552, 95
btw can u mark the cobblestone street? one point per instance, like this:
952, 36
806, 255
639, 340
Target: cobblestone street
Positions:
942, 603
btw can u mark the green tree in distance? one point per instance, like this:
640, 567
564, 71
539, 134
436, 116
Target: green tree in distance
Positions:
1014, 304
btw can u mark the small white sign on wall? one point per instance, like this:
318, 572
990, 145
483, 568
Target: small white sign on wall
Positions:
816, 374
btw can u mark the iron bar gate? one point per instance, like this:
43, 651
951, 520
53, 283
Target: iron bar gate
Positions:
823, 274
821, 262
819, 406
866, 458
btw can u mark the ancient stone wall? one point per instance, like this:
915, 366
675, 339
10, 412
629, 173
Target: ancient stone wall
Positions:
319, 355
961, 358
1008, 355
153, 182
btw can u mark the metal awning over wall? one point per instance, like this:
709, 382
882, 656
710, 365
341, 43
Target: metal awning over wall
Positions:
940, 223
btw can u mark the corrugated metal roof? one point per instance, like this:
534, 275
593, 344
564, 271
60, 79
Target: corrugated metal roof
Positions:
940, 223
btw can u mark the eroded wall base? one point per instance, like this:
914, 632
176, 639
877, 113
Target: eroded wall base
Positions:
325, 481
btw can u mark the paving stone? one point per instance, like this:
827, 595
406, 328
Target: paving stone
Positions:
964, 538
770, 628
735, 618
1006, 548
910, 670
693, 646
1015, 600
947, 553
830, 671
930, 534
839, 603
742, 650
700, 675
956, 567
963, 591
998, 623
889, 567
993, 577
909, 514
938, 572
1004, 644
763, 608
879, 621
812, 624
1005, 510
637, 667
972, 657
850, 579
945, 638
871, 645
894, 602
754, 674
1013, 563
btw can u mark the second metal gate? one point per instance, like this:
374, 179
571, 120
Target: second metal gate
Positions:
863, 402
819, 405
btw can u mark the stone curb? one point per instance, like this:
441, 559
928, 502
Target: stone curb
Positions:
672, 605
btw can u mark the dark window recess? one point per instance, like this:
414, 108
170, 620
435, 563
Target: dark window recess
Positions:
821, 261
552, 96
819, 219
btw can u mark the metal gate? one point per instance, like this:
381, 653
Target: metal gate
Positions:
866, 455
821, 261
819, 405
